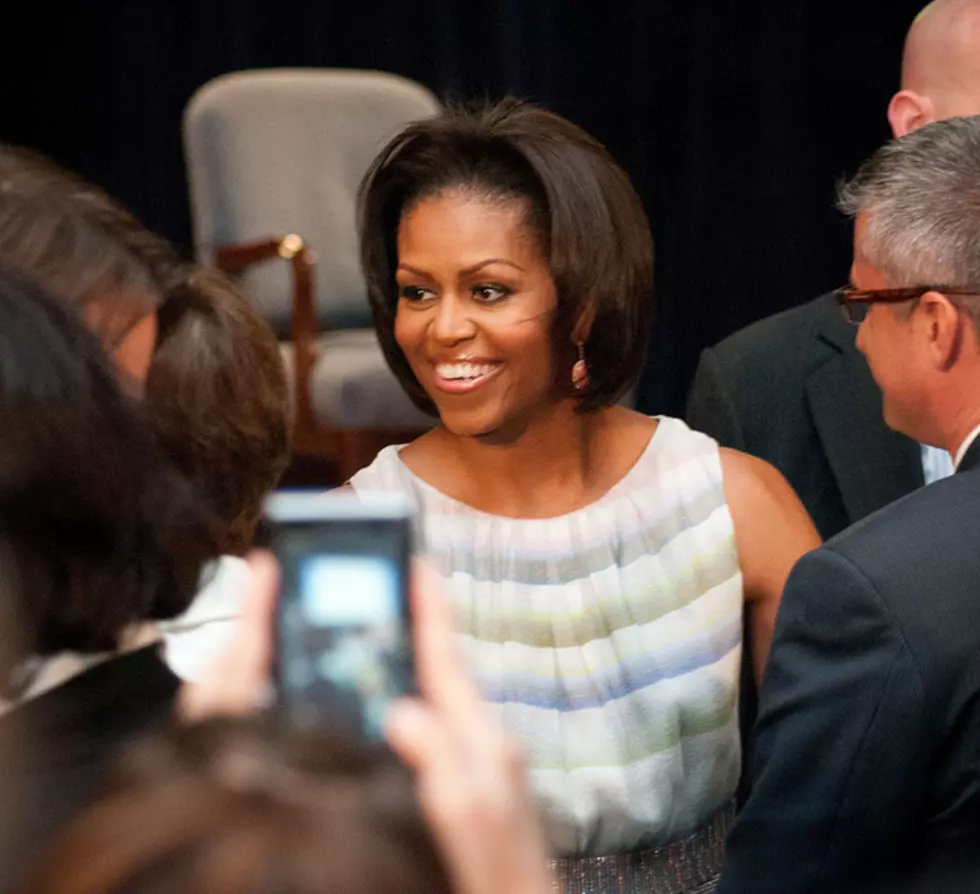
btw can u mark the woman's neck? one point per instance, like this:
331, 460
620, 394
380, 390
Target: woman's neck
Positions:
552, 466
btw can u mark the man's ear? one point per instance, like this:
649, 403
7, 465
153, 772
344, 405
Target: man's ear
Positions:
942, 326
908, 111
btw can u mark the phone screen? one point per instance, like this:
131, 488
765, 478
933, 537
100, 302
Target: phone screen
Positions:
344, 631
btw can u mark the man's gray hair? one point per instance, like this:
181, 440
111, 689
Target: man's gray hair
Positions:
921, 195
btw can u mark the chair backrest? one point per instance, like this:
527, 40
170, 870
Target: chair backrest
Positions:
279, 151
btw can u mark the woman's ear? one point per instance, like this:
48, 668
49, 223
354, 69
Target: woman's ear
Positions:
583, 326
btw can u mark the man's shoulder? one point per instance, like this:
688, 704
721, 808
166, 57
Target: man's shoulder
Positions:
925, 543
781, 333
944, 501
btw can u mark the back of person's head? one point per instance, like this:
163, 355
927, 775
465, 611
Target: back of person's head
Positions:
578, 204
80, 243
97, 531
233, 808
218, 399
940, 66
920, 197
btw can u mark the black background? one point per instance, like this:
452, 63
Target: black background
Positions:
733, 119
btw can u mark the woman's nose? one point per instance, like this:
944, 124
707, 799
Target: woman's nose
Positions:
453, 320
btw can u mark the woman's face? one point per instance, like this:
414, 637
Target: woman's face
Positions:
475, 310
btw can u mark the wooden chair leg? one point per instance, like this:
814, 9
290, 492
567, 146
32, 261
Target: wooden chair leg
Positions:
313, 441
343, 451
314, 461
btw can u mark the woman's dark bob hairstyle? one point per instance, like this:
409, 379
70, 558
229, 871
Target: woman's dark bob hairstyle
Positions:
580, 203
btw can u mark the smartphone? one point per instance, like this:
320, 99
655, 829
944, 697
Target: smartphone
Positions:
344, 624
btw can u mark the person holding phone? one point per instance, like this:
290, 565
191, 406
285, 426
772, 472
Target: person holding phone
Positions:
599, 562
243, 804
470, 774
100, 538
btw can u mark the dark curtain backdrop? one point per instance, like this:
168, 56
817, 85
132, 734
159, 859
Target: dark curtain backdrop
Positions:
733, 119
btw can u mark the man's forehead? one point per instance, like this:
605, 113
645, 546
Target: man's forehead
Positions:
864, 274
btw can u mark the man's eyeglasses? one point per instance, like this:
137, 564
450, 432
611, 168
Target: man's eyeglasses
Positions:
857, 302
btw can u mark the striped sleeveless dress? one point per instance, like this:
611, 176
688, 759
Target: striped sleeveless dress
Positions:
609, 640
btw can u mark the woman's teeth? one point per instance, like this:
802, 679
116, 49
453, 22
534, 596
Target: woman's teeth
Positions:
463, 370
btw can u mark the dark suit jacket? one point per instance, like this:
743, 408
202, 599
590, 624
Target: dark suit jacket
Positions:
794, 390
866, 775
55, 750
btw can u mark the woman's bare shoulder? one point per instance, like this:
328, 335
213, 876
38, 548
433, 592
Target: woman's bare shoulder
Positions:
767, 514
749, 473
756, 482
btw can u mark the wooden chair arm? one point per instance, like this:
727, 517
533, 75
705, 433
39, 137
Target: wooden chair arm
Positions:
303, 326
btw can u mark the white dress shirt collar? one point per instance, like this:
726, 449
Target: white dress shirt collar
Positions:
967, 443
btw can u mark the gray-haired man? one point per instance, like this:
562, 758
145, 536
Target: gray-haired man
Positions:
791, 389
867, 770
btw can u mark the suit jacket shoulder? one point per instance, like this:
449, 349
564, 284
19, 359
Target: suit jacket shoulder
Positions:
749, 389
793, 390
781, 341
868, 719
922, 554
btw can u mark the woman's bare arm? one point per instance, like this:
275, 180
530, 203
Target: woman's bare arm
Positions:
772, 531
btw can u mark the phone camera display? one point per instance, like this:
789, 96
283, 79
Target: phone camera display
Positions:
344, 640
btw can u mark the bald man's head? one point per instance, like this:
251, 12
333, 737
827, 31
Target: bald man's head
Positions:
940, 66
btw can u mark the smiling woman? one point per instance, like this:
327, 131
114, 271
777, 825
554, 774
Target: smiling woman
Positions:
597, 559
578, 217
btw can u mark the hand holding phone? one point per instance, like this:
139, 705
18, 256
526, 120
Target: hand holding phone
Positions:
471, 779
343, 628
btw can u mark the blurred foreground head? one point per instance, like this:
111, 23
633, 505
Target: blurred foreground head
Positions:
218, 399
233, 808
97, 530
88, 249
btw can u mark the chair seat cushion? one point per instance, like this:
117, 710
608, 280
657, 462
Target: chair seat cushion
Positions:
352, 387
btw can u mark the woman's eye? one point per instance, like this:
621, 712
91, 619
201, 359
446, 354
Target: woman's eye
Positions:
490, 292
415, 293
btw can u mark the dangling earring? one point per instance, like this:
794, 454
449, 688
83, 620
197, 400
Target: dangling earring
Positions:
580, 372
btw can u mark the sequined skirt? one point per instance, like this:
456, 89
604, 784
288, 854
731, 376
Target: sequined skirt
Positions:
690, 865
